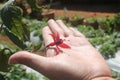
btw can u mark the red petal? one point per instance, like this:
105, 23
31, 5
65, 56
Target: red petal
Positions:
51, 44
57, 50
57, 36
63, 45
53, 36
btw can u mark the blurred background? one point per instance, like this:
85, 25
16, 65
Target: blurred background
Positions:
21, 23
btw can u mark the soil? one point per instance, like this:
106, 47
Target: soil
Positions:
85, 9
5, 38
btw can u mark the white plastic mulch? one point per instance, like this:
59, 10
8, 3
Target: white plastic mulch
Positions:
114, 63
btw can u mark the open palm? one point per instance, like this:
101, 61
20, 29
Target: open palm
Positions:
79, 62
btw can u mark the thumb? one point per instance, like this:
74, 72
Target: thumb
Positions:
34, 61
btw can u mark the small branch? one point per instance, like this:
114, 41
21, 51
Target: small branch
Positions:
2, 51
1, 27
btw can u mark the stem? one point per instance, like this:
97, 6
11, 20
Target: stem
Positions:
2, 51
50, 5
1, 27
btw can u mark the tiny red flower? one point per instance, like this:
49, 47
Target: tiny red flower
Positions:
94, 14
58, 43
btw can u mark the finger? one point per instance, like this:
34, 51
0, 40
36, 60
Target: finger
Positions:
66, 30
55, 27
34, 61
46, 35
47, 40
76, 32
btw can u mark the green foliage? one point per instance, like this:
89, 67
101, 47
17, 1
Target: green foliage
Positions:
15, 29
9, 12
98, 40
14, 38
108, 43
4, 60
115, 75
34, 5
36, 28
107, 25
17, 73
117, 19
108, 50
36, 9
116, 39
87, 31
90, 32
11, 16
5, 52
12, 72
90, 20
117, 42
116, 35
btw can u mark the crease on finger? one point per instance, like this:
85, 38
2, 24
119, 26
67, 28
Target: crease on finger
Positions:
54, 27
50, 52
47, 40
46, 35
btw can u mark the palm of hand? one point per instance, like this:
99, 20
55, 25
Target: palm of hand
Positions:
79, 62
82, 59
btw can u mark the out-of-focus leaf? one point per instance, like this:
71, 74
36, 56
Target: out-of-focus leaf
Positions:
8, 12
33, 4
6, 50
4, 63
4, 66
11, 16
14, 38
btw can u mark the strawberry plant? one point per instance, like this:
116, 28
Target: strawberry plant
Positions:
17, 73
98, 40
108, 50
11, 16
116, 22
12, 72
18, 31
15, 26
5, 52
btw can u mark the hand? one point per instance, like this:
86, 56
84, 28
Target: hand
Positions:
79, 62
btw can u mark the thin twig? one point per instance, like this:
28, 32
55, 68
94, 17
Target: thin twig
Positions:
2, 51
1, 27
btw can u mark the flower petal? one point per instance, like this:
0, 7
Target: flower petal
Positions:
63, 45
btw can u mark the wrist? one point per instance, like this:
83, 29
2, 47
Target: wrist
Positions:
103, 78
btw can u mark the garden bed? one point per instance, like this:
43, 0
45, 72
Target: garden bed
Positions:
101, 29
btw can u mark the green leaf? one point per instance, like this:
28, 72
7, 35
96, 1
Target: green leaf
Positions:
4, 56
4, 62
11, 16
14, 38
8, 12
34, 4
108, 50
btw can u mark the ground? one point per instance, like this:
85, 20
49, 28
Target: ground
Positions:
85, 9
